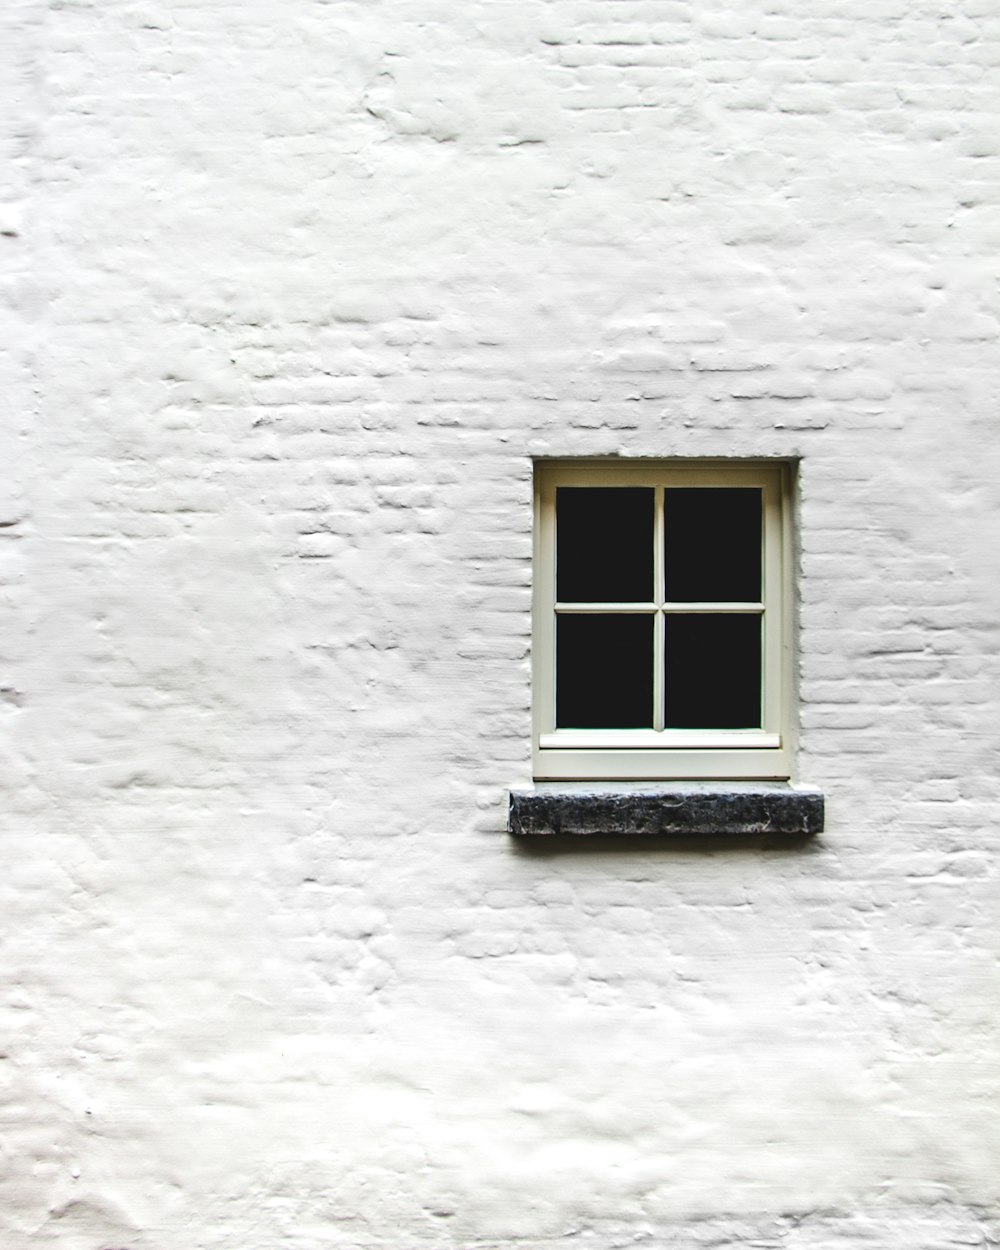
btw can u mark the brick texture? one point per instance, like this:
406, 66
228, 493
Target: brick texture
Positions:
294, 293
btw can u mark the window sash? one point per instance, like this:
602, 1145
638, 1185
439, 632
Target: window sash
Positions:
661, 751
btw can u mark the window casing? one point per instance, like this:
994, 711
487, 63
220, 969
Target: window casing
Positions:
630, 683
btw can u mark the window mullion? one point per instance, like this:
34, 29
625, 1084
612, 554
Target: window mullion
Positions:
658, 625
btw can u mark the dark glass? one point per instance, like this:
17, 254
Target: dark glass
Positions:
712, 544
711, 669
604, 544
604, 671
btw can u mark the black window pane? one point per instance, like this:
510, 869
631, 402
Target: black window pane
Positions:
712, 673
604, 544
712, 544
604, 671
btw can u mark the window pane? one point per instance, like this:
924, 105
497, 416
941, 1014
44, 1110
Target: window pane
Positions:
604, 544
604, 671
712, 544
712, 671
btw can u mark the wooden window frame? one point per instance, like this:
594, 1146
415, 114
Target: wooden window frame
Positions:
668, 754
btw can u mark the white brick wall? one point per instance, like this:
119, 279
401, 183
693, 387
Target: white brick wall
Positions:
296, 292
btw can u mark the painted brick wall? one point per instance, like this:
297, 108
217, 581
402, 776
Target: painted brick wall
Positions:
295, 293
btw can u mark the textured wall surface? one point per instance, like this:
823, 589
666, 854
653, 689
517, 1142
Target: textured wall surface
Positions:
294, 292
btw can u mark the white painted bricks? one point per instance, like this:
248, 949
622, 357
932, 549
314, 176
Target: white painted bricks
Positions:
295, 294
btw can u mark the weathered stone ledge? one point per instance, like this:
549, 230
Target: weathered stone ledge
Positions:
722, 808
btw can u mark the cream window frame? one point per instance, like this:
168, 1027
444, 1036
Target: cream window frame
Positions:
658, 753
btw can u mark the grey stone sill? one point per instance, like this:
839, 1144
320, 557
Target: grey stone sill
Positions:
628, 809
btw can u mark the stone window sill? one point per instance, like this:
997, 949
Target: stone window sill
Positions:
680, 809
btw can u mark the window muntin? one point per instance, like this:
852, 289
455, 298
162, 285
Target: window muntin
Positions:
662, 619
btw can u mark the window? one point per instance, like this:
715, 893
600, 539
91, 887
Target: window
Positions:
662, 620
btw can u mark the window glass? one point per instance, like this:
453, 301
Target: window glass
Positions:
712, 544
712, 671
604, 544
604, 671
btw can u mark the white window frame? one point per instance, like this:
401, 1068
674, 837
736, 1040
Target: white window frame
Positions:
668, 754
